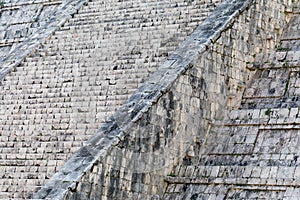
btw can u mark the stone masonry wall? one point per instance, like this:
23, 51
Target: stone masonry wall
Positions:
253, 152
58, 96
26, 24
154, 131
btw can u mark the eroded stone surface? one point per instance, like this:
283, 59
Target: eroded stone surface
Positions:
69, 87
254, 153
25, 25
62, 93
160, 126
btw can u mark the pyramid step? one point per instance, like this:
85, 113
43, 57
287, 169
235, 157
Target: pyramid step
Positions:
276, 103
264, 116
237, 174
292, 31
266, 182
286, 56
292, 45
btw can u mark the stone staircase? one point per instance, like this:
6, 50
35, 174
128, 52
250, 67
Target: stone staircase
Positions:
19, 20
60, 94
254, 153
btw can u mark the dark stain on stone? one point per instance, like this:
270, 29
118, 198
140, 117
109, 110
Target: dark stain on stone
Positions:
194, 196
185, 187
114, 186
171, 100
83, 152
137, 108
156, 145
187, 161
198, 84
272, 90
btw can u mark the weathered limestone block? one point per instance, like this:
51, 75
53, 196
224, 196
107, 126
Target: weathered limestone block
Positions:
253, 153
74, 80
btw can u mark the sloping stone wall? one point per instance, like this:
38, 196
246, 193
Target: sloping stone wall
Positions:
26, 24
253, 153
58, 97
154, 131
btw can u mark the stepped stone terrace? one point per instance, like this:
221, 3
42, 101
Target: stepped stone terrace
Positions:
149, 99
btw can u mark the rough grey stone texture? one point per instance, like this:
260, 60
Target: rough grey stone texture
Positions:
121, 140
253, 153
61, 93
137, 147
25, 25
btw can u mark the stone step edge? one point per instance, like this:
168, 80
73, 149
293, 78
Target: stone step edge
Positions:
64, 12
10, 42
263, 113
259, 182
271, 124
275, 60
13, 6
289, 38
292, 66
112, 132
